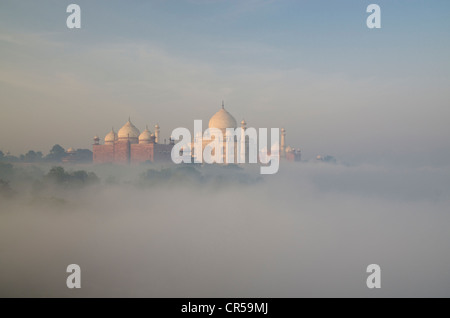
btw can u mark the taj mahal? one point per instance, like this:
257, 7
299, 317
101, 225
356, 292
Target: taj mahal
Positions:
129, 145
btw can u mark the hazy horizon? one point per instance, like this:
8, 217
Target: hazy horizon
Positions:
339, 88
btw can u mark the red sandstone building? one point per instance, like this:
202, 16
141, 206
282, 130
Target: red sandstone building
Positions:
131, 146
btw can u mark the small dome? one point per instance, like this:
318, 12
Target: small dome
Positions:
222, 120
96, 138
145, 136
243, 123
111, 137
128, 131
288, 149
71, 150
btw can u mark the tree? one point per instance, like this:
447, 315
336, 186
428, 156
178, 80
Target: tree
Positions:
83, 155
56, 153
57, 174
32, 156
10, 158
80, 176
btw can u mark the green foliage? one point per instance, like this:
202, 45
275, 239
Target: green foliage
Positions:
56, 154
59, 176
83, 155
32, 156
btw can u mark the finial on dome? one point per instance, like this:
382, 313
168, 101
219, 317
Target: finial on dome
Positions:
146, 127
223, 105
243, 123
129, 118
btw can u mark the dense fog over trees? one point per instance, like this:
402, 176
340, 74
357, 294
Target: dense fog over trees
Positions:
223, 231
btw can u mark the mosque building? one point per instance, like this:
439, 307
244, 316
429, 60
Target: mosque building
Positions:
70, 157
288, 153
131, 146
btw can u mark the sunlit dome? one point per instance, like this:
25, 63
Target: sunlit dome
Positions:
111, 136
128, 131
288, 149
222, 120
146, 135
70, 150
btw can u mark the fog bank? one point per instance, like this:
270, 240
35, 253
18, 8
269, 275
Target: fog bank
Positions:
310, 230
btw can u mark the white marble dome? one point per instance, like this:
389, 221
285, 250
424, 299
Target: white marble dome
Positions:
222, 120
128, 131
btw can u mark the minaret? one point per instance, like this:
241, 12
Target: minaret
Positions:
244, 156
283, 142
157, 133
243, 124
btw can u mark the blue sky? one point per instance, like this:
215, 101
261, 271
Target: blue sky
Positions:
312, 67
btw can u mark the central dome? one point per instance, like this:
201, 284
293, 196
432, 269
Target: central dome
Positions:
128, 131
222, 120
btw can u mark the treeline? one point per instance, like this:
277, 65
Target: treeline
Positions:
22, 179
56, 154
59, 176
14, 178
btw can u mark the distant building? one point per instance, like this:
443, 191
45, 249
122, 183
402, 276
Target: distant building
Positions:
223, 120
293, 154
77, 156
326, 158
288, 153
131, 146
70, 158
